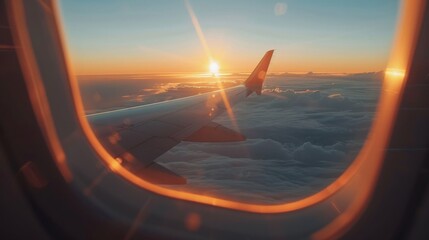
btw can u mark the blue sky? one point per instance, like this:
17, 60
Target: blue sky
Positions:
158, 36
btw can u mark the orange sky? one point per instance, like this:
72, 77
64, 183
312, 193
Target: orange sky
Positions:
280, 63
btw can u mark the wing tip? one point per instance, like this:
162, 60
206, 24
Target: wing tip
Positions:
256, 79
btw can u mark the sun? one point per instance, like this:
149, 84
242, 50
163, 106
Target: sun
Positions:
214, 68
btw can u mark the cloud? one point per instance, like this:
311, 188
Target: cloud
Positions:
311, 154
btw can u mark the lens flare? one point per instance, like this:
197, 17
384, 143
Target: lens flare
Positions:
214, 68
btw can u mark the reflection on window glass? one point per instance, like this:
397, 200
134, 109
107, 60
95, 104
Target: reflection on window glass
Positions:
311, 120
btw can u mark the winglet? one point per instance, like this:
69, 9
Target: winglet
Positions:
256, 79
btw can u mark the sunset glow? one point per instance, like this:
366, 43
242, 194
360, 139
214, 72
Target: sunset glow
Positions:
182, 36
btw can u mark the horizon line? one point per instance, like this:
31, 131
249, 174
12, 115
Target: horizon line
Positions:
230, 73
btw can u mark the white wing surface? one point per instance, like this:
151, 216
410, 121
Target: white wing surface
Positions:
139, 135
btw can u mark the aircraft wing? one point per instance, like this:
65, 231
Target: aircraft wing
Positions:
138, 135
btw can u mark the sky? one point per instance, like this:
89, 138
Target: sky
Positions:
136, 36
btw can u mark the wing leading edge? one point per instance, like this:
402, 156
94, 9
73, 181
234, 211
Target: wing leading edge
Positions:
139, 135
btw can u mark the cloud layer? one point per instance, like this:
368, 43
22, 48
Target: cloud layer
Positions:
303, 132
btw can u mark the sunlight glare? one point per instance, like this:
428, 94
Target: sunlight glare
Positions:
395, 72
214, 68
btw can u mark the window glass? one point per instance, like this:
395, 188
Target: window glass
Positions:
317, 104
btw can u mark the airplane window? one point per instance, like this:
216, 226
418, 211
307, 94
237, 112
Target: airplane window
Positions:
187, 94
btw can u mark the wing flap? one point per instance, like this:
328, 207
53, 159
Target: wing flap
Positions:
149, 150
157, 174
117, 142
214, 132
